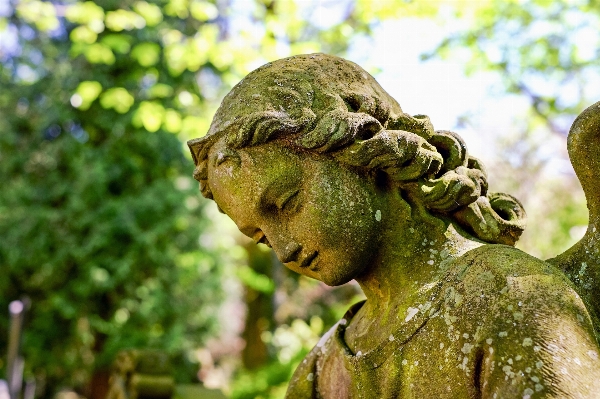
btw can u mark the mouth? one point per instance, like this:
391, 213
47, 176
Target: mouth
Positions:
308, 260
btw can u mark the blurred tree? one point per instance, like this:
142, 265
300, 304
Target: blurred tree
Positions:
100, 225
545, 50
100, 229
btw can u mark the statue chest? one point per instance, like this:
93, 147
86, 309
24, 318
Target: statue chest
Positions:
426, 362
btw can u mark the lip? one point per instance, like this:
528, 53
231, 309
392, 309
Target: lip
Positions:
308, 259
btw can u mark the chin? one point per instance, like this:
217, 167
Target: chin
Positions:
333, 280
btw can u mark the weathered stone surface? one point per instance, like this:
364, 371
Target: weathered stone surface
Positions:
311, 156
581, 262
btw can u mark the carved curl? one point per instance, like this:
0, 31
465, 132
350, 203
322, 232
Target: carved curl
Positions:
327, 105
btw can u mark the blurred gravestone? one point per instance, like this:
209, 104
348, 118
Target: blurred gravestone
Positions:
195, 391
141, 374
147, 374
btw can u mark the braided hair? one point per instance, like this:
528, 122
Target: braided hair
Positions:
328, 105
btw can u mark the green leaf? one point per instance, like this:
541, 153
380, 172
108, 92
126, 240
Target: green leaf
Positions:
84, 13
117, 98
99, 53
42, 14
256, 281
146, 54
172, 121
85, 94
150, 12
177, 8
160, 90
203, 11
150, 115
117, 42
124, 20
194, 126
83, 34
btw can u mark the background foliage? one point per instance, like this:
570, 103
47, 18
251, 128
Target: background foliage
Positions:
103, 228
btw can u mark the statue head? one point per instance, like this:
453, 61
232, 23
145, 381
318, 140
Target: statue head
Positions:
330, 110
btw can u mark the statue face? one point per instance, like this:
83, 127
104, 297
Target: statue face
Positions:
321, 219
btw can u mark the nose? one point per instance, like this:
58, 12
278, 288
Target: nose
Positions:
290, 252
285, 246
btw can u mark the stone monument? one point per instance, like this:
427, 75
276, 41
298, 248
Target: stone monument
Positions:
310, 156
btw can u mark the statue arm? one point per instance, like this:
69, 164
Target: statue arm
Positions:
541, 346
302, 384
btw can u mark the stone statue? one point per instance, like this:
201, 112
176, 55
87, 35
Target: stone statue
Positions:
310, 156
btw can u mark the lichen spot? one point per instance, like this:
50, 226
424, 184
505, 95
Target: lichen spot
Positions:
391, 337
378, 215
310, 377
527, 393
502, 334
489, 341
527, 342
410, 313
404, 362
539, 364
518, 316
466, 348
538, 387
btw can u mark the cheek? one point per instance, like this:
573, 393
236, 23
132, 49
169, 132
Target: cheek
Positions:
343, 216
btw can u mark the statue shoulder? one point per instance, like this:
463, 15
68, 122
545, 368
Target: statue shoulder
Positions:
528, 324
499, 278
500, 270
504, 289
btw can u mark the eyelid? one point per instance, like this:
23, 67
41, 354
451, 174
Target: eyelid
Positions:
284, 199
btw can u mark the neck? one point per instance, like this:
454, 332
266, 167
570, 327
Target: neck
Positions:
414, 253
594, 209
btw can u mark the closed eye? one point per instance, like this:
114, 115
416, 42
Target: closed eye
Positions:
287, 200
